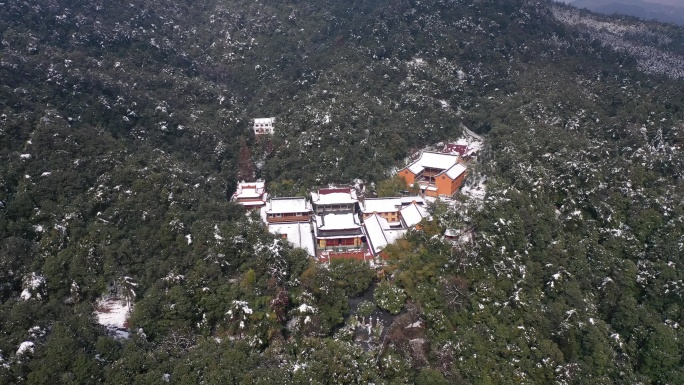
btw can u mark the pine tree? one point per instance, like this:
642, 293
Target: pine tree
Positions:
245, 169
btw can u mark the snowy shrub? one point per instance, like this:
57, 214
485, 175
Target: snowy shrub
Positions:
389, 297
365, 308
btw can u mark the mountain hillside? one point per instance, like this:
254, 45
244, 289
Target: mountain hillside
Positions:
124, 128
637, 8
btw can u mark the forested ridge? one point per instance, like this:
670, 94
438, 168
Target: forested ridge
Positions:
121, 126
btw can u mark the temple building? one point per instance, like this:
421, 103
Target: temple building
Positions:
435, 174
290, 219
288, 210
337, 227
252, 195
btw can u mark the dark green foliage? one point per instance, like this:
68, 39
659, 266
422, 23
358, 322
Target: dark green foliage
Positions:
353, 276
121, 129
429, 376
365, 308
389, 297
391, 187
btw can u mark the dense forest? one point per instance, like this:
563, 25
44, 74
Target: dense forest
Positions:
122, 125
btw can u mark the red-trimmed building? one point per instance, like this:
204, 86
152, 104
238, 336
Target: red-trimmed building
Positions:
334, 200
464, 148
252, 195
337, 227
288, 210
290, 219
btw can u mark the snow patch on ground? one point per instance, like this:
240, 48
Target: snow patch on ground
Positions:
113, 313
477, 191
25, 347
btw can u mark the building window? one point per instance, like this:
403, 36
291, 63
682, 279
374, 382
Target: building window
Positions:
340, 242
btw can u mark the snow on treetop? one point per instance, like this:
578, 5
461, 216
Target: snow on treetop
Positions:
31, 283
25, 347
241, 305
304, 308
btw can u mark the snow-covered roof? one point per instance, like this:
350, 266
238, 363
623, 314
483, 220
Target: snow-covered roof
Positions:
413, 214
381, 205
342, 236
393, 234
429, 159
246, 190
455, 171
299, 234
256, 202
416, 168
379, 234
264, 121
289, 205
345, 195
410, 199
337, 221
375, 234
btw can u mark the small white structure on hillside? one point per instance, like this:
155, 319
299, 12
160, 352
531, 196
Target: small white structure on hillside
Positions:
252, 195
264, 126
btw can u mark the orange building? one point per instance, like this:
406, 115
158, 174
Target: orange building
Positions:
387, 208
435, 174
